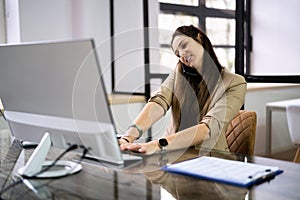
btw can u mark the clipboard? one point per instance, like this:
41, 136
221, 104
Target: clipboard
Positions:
220, 170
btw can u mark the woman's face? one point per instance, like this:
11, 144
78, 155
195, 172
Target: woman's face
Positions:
188, 50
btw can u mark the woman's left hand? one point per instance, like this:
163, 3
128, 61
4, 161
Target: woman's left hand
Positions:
146, 148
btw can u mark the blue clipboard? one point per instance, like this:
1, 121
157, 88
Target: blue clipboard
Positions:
220, 170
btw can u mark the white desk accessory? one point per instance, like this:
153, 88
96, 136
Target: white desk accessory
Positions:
37, 161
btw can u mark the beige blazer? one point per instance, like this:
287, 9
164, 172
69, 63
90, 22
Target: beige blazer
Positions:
227, 99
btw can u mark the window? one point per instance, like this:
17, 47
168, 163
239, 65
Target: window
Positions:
221, 4
215, 17
181, 2
227, 24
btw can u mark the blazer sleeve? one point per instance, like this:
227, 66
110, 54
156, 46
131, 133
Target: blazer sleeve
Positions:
163, 96
226, 103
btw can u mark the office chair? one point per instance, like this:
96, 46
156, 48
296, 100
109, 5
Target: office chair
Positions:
240, 134
293, 120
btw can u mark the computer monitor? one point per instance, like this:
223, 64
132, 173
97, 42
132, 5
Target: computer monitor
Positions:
57, 87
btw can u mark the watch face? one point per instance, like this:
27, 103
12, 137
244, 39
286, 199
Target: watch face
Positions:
163, 142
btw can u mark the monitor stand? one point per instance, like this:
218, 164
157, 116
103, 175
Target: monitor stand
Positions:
37, 161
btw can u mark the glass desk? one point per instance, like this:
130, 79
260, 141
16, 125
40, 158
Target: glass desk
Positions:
143, 180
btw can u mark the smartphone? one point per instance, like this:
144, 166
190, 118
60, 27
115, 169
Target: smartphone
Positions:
189, 71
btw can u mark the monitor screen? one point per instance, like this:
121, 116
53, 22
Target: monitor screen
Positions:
54, 87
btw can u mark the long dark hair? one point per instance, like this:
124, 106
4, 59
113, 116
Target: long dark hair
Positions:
190, 105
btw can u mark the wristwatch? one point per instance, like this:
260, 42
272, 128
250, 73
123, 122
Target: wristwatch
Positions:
163, 143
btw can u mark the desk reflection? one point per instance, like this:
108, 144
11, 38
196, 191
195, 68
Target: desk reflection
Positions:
143, 180
184, 187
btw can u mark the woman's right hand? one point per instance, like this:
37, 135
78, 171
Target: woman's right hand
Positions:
146, 148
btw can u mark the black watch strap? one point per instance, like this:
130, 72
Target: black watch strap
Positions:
163, 143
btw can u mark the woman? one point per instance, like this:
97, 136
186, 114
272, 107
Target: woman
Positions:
203, 95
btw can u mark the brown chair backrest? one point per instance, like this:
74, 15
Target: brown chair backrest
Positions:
240, 134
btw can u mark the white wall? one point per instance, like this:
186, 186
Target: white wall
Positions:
12, 21
64, 19
96, 24
45, 20
275, 31
129, 43
2, 23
